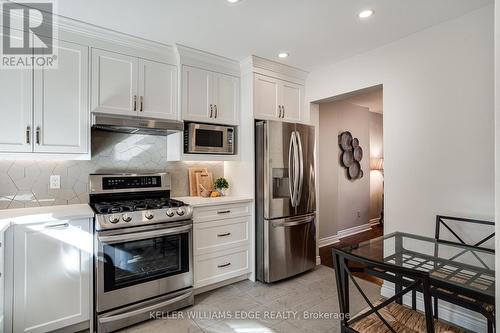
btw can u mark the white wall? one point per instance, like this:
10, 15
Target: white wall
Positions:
438, 119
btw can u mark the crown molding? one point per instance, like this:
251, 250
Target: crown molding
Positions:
196, 58
77, 31
256, 64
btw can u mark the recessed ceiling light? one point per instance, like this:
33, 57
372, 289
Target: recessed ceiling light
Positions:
233, 1
283, 55
366, 13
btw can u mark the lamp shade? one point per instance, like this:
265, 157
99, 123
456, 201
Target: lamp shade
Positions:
377, 164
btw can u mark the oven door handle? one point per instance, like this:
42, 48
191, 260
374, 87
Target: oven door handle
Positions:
143, 235
147, 309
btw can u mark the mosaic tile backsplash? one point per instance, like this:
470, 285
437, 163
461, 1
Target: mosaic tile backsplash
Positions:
26, 183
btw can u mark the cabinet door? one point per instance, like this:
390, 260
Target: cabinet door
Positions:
196, 95
114, 83
226, 97
291, 100
157, 90
16, 110
266, 97
62, 115
51, 275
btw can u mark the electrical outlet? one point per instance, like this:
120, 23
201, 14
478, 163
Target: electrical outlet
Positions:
55, 182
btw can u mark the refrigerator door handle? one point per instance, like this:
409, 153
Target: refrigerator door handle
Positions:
293, 221
300, 170
291, 169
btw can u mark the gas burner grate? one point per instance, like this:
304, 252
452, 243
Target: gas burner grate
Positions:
135, 205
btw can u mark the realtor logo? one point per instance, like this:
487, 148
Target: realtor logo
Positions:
28, 35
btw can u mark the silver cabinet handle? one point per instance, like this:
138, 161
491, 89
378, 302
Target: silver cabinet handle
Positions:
38, 135
224, 235
215, 106
56, 226
224, 265
279, 110
135, 102
142, 103
283, 108
28, 135
223, 211
211, 110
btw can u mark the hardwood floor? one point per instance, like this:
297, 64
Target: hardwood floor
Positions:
326, 252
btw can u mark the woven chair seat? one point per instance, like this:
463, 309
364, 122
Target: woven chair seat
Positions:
402, 319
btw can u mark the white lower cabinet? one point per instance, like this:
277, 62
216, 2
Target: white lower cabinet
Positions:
221, 266
52, 275
221, 243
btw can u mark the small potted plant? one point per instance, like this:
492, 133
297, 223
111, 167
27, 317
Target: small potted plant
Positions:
221, 185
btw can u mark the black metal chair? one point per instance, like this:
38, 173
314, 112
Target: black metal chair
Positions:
386, 315
487, 310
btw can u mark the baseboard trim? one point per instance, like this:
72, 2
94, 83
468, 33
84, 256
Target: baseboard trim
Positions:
448, 312
348, 232
328, 240
354, 230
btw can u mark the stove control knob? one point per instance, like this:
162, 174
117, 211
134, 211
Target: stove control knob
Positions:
126, 218
170, 212
114, 219
180, 211
148, 215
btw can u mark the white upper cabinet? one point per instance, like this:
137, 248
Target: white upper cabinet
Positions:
266, 99
16, 110
51, 275
210, 87
277, 99
196, 95
157, 90
114, 83
132, 86
45, 110
291, 101
278, 90
210, 97
61, 117
226, 98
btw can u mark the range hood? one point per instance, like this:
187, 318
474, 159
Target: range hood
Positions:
136, 125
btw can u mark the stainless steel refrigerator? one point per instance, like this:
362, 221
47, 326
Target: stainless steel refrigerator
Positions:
285, 199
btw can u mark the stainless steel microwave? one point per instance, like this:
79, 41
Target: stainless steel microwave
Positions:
209, 139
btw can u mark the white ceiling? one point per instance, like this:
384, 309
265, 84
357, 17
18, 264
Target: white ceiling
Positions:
314, 32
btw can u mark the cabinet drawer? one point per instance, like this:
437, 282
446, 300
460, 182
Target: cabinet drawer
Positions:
204, 214
221, 235
220, 266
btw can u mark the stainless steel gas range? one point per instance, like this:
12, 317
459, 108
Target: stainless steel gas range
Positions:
143, 249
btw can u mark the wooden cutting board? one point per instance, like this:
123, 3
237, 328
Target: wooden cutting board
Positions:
193, 185
205, 179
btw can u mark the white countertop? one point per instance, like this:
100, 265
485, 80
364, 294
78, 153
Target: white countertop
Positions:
201, 202
44, 214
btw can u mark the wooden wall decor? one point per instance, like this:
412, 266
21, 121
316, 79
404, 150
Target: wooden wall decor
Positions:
351, 155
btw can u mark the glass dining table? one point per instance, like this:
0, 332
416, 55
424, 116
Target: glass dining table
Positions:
460, 274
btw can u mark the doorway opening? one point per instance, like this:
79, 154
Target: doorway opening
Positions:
350, 169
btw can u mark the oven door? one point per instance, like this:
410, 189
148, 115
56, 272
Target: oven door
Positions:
210, 139
138, 263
